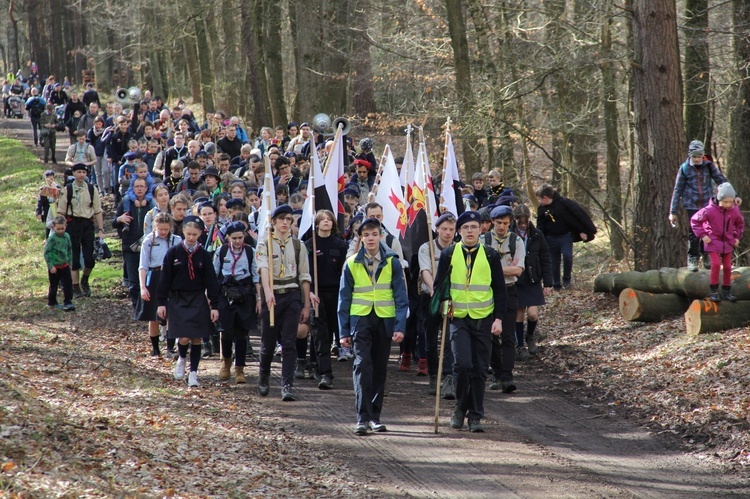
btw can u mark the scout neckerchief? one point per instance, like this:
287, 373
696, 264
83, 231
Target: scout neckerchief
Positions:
190, 252
282, 255
469, 252
237, 257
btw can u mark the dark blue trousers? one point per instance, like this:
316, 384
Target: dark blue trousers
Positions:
372, 347
471, 341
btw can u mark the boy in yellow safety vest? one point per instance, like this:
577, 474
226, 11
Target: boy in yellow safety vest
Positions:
372, 312
478, 298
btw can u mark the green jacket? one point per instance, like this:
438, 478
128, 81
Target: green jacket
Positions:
58, 250
48, 119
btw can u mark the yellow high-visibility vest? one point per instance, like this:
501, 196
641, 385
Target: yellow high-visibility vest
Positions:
367, 294
473, 298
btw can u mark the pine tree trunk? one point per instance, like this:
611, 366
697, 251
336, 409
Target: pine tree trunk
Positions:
613, 202
204, 63
462, 71
251, 13
363, 94
659, 131
37, 42
191, 59
273, 61
696, 72
739, 145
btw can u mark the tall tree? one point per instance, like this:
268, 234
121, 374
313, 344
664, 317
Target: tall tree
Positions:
464, 93
611, 124
273, 62
659, 131
204, 63
739, 145
697, 72
251, 13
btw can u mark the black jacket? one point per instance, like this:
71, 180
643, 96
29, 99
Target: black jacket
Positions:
538, 266
331, 258
564, 216
136, 225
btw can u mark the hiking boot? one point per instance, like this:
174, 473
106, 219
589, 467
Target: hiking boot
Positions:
432, 387
155, 352
448, 389
496, 384
226, 366
531, 344
239, 375
726, 294
405, 362
508, 386
193, 379
706, 261
422, 367
263, 385
334, 351
692, 263
522, 353
77, 293
69, 307
299, 371
326, 382
714, 296
311, 371
457, 420
179, 369
377, 427
475, 426
85, 286
361, 428
286, 394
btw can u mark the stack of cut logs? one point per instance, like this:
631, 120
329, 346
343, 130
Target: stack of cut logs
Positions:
659, 294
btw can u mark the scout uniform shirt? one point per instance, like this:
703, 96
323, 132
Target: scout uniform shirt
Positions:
81, 203
502, 245
287, 273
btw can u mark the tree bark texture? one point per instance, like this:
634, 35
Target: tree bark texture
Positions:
273, 61
682, 282
659, 131
251, 36
697, 72
462, 70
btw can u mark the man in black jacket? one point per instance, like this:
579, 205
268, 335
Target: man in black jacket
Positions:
563, 222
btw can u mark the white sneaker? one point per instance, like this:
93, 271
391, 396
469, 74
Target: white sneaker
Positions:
162, 333
179, 369
193, 379
344, 354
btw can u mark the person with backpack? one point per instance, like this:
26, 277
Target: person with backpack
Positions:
513, 256
81, 152
286, 286
563, 222
153, 249
237, 301
48, 137
694, 187
35, 106
80, 204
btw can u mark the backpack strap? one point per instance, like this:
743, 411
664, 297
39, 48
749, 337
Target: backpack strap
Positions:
512, 243
488, 238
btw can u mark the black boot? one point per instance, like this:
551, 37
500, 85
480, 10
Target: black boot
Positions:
727, 294
714, 294
207, 350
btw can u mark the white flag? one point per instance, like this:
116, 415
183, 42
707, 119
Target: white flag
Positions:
450, 174
267, 205
316, 175
391, 197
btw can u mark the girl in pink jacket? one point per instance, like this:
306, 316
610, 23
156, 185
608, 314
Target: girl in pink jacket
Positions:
720, 226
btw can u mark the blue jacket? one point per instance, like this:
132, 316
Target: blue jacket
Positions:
348, 323
693, 185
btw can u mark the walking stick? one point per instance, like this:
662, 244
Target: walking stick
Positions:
269, 245
440, 365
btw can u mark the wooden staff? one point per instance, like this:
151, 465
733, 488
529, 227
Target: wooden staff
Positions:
376, 184
440, 365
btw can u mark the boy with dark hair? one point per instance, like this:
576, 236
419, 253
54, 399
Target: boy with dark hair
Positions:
58, 254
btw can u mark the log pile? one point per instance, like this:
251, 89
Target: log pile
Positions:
655, 295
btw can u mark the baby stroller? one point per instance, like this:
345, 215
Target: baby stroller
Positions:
16, 105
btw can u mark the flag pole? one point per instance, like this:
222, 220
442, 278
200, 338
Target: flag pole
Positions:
269, 239
445, 159
376, 183
314, 235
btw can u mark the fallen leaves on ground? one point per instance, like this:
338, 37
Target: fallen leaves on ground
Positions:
87, 413
694, 388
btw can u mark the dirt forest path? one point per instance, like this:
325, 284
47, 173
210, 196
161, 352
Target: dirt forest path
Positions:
545, 440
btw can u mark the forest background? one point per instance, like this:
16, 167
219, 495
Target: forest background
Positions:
598, 97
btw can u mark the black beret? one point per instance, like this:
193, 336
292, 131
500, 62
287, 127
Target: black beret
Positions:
468, 216
284, 209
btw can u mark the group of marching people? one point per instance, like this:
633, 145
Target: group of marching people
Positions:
202, 276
